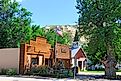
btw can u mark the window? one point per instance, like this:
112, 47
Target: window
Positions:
35, 61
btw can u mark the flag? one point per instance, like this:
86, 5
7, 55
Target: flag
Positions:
59, 31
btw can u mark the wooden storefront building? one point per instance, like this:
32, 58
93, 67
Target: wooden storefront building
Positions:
63, 54
39, 52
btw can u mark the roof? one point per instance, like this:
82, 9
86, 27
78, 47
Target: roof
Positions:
74, 51
76, 48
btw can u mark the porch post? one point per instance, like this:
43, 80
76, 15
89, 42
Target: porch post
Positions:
82, 65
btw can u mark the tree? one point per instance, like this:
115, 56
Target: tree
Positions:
37, 31
16, 28
76, 38
51, 37
98, 20
15, 23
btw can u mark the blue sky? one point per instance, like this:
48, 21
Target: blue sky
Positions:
52, 12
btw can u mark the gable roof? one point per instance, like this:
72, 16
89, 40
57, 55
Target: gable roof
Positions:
74, 51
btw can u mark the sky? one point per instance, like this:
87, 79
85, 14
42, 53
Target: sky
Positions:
51, 12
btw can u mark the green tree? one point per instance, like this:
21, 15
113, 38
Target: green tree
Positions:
51, 37
16, 28
14, 24
98, 20
37, 31
76, 38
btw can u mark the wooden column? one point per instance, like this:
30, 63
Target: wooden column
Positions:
82, 65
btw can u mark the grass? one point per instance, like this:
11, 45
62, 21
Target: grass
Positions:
93, 71
98, 71
118, 70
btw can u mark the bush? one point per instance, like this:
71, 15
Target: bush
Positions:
11, 72
62, 73
44, 70
41, 71
3, 71
70, 74
99, 69
57, 71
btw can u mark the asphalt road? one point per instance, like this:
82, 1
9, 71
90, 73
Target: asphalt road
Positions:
82, 76
33, 79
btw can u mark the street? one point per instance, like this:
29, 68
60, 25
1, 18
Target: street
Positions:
33, 79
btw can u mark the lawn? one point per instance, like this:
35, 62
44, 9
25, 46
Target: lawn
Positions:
98, 71
93, 71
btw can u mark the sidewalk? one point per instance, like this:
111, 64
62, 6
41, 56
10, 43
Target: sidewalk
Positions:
93, 73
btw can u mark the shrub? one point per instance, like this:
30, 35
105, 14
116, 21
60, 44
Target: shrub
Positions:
11, 72
57, 71
41, 70
99, 69
70, 74
3, 71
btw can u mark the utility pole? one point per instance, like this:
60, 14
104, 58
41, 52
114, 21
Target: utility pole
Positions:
75, 64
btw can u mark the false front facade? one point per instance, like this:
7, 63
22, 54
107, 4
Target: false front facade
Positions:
37, 52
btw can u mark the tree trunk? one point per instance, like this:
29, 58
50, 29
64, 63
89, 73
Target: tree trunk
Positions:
110, 63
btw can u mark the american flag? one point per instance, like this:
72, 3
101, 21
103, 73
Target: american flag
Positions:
59, 31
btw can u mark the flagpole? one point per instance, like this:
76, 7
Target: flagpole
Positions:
55, 48
59, 32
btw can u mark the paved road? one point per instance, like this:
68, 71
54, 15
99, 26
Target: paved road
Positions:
2, 78
31, 79
82, 76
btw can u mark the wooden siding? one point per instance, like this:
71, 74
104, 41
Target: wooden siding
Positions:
63, 51
80, 54
40, 49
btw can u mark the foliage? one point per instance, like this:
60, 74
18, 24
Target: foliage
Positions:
37, 31
70, 73
14, 24
98, 19
51, 37
3, 71
41, 70
11, 72
60, 71
76, 38
16, 28
96, 70
57, 71
100, 24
